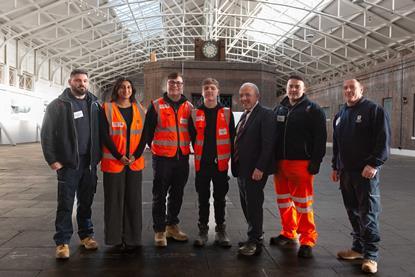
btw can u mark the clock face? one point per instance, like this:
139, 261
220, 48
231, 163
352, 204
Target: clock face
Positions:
209, 49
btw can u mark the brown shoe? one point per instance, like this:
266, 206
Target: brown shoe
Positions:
369, 266
62, 251
160, 239
173, 231
89, 243
349, 254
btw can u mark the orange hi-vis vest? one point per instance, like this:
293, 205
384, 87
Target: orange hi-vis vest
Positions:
118, 134
223, 139
172, 130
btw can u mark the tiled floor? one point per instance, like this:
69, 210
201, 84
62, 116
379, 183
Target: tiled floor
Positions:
27, 210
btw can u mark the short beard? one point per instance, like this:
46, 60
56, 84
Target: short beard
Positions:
78, 92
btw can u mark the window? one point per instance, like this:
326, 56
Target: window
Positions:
1, 74
12, 76
21, 81
387, 106
413, 120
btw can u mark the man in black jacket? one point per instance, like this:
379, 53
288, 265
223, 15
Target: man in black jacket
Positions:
361, 137
300, 148
252, 163
70, 143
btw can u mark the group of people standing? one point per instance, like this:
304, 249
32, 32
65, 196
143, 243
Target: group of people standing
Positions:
289, 142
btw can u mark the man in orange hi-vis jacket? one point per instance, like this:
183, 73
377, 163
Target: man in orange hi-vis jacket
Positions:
300, 148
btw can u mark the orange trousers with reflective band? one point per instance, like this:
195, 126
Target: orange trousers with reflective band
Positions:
294, 189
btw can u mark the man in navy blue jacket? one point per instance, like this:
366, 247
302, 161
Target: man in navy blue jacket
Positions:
361, 136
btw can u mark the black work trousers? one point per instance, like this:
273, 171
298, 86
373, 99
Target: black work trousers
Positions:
252, 198
219, 179
170, 177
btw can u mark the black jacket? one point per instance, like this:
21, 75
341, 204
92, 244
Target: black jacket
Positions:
301, 131
59, 136
361, 136
255, 144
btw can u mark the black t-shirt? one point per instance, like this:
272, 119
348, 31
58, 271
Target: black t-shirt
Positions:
127, 114
82, 124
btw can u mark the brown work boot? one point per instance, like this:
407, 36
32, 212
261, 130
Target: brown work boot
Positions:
89, 243
369, 266
160, 239
349, 254
173, 231
62, 251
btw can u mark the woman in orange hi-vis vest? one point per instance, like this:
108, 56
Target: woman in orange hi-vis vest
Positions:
122, 122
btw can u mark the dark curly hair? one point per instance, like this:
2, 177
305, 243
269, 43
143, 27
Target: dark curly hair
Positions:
116, 87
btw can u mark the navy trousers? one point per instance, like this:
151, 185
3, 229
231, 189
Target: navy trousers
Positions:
71, 182
361, 197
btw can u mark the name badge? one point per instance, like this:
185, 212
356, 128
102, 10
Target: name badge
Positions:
359, 119
117, 124
223, 132
78, 114
183, 120
281, 118
337, 121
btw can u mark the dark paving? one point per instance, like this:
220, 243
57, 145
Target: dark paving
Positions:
27, 210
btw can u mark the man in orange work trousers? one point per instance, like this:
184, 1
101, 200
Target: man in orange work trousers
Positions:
300, 148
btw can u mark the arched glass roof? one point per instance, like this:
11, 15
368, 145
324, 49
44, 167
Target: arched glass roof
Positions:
320, 39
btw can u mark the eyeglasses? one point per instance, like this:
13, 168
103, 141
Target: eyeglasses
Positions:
175, 83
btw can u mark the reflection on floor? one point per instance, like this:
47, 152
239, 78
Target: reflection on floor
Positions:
27, 211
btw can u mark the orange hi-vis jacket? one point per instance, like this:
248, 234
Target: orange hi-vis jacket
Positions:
223, 139
172, 130
118, 134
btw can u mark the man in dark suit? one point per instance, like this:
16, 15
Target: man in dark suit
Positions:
252, 163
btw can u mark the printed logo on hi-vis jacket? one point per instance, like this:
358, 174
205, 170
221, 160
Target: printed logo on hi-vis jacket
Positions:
223, 132
200, 118
164, 106
117, 124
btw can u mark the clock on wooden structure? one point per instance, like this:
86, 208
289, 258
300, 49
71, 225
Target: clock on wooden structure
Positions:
209, 50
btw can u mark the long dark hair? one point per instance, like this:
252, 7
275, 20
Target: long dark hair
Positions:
116, 87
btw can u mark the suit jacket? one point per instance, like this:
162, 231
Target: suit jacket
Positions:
256, 144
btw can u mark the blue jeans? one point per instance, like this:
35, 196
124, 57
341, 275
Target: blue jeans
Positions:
70, 182
361, 199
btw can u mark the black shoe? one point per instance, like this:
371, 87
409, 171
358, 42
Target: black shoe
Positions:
305, 251
250, 249
221, 237
282, 241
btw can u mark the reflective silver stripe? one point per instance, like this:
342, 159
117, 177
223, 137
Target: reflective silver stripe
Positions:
183, 130
304, 210
117, 132
283, 196
141, 111
199, 142
165, 143
227, 113
184, 143
223, 141
224, 156
198, 157
302, 199
193, 114
285, 205
108, 113
165, 129
108, 156
136, 132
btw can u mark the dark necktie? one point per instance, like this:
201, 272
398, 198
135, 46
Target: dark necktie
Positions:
239, 132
